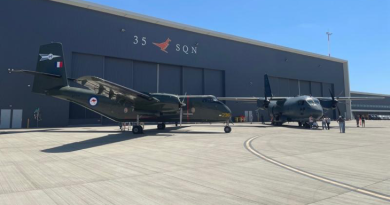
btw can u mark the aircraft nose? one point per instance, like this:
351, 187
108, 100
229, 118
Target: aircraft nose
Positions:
225, 111
316, 112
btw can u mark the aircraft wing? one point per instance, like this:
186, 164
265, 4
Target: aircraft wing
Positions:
250, 99
113, 90
350, 98
241, 99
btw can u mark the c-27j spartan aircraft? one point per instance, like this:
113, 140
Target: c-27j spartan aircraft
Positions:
294, 109
120, 103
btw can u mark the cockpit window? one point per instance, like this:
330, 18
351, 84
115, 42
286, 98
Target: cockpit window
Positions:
312, 102
210, 99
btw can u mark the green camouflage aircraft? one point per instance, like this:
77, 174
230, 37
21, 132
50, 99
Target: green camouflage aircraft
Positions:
294, 109
120, 103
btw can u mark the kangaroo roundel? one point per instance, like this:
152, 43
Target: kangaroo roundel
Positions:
93, 101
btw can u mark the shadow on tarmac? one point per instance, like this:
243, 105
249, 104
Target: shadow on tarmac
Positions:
113, 138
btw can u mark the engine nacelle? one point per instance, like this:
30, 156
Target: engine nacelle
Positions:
262, 104
329, 104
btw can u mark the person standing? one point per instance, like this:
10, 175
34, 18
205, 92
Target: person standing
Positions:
357, 120
341, 122
323, 123
262, 119
328, 122
311, 120
363, 121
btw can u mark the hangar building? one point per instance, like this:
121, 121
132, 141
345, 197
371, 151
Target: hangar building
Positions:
370, 107
118, 45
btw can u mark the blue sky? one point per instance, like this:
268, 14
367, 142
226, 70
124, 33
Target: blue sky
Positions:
361, 28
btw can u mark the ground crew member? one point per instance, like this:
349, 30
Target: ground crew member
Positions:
341, 122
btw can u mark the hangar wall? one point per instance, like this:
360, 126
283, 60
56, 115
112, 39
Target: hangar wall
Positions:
120, 46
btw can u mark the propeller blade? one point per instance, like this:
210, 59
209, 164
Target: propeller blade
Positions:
331, 94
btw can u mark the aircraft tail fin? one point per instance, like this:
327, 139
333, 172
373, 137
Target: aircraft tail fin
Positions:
267, 88
51, 62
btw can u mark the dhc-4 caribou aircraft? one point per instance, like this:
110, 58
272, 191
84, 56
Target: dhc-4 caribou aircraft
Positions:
294, 109
120, 103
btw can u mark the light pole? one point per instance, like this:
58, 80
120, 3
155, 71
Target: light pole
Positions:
328, 33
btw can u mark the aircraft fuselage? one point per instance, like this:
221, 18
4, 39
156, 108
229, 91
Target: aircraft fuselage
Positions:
196, 108
295, 109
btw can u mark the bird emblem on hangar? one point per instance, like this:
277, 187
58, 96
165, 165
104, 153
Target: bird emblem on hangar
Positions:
164, 45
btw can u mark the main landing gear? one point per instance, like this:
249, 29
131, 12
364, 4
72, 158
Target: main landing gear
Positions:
161, 126
227, 128
137, 129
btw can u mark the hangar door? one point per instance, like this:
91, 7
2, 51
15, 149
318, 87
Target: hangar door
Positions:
192, 81
169, 79
214, 82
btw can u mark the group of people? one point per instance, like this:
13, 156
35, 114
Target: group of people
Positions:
360, 120
325, 123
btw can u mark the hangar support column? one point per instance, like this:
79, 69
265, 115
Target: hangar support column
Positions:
347, 90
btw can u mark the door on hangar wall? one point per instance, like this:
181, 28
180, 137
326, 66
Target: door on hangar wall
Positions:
5, 118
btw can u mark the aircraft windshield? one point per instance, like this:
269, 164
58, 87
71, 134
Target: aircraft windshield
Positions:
312, 102
210, 99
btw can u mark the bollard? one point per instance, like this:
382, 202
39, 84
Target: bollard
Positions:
28, 123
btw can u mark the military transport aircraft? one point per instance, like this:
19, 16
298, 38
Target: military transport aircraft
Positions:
120, 103
294, 109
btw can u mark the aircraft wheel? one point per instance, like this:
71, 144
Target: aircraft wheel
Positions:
137, 129
227, 129
299, 124
161, 126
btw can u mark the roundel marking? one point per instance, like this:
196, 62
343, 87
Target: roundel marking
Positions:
93, 101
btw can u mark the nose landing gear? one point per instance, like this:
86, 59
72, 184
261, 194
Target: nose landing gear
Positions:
227, 128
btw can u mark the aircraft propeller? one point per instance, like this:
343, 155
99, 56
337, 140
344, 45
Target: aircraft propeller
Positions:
335, 103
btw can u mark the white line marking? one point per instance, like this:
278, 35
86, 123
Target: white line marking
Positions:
248, 145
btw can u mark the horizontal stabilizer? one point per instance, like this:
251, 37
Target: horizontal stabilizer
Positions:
34, 73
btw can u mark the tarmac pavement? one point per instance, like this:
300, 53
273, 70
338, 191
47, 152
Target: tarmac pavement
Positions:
197, 164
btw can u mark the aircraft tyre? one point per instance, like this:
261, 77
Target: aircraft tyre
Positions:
161, 126
299, 124
227, 129
137, 129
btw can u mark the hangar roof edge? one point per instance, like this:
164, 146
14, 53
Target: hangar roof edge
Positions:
364, 93
154, 20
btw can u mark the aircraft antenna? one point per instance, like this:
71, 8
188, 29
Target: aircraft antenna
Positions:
329, 33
